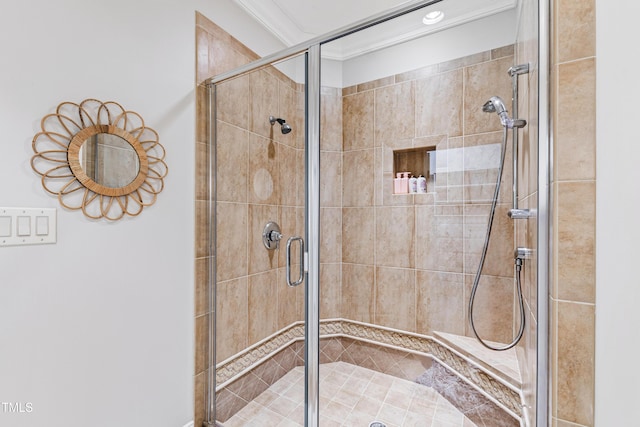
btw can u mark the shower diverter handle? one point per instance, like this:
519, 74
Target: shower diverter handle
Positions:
288, 270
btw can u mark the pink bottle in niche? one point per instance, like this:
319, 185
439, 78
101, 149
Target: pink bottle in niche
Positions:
397, 184
405, 182
401, 183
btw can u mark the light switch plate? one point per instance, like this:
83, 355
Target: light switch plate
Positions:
27, 226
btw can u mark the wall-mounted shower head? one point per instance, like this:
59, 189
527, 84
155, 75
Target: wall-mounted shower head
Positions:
285, 128
496, 105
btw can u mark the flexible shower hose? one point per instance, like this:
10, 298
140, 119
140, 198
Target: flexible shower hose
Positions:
518, 261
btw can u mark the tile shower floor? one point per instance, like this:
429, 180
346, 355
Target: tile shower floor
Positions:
351, 396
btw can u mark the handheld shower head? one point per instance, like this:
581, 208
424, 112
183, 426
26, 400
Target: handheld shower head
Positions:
285, 128
496, 105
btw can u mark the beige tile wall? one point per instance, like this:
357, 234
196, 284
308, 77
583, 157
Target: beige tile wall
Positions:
258, 179
572, 301
409, 260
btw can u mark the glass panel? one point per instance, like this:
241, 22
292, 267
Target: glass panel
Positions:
397, 267
260, 177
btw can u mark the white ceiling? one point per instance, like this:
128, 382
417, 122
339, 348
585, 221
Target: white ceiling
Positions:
295, 21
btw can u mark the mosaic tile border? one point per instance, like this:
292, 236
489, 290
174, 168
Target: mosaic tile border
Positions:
235, 368
239, 364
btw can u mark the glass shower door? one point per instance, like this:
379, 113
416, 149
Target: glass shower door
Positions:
259, 229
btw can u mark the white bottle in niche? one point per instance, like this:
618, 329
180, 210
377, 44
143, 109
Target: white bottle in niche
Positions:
422, 184
413, 184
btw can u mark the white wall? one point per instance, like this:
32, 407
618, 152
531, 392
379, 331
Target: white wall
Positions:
617, 209
98, 328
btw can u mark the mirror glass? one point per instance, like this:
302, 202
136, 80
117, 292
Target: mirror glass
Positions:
109, 160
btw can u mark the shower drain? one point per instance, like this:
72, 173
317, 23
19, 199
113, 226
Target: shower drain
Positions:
377, 424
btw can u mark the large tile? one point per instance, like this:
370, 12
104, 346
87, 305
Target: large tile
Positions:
263, 304
231, 318
481, 163
291, 220
231, 251
440, 302
330, 290
575, 364
233, 102
395, 237
264, 172
358, 292
358, 228
575, 26
291, 176
499, 258
439, 244
493, 311
575, 231
396, 298
331, 119
357, 121
330, 179
288, 110
232, 169
575, 132
439, 104
357, 178
263, 93
394, 112
482, 81
330, 235
290, 301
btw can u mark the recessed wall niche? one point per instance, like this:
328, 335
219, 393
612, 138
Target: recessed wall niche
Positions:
415, 162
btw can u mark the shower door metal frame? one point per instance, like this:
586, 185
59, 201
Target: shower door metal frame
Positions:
545, 160
312, 51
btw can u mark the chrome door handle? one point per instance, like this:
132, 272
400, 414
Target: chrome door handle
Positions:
301, 277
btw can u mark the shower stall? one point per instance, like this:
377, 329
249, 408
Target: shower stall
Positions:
334, 296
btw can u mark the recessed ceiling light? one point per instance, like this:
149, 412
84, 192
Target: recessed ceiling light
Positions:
433, 17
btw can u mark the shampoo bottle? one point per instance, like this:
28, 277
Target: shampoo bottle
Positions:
422, 184
413, 184
397, 183
405, 182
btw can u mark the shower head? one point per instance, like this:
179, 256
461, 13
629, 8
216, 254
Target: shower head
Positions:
494, 105
285, 128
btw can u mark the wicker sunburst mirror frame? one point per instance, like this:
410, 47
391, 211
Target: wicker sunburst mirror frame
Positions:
99, 158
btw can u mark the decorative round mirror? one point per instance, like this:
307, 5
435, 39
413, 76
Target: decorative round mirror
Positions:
99, 158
